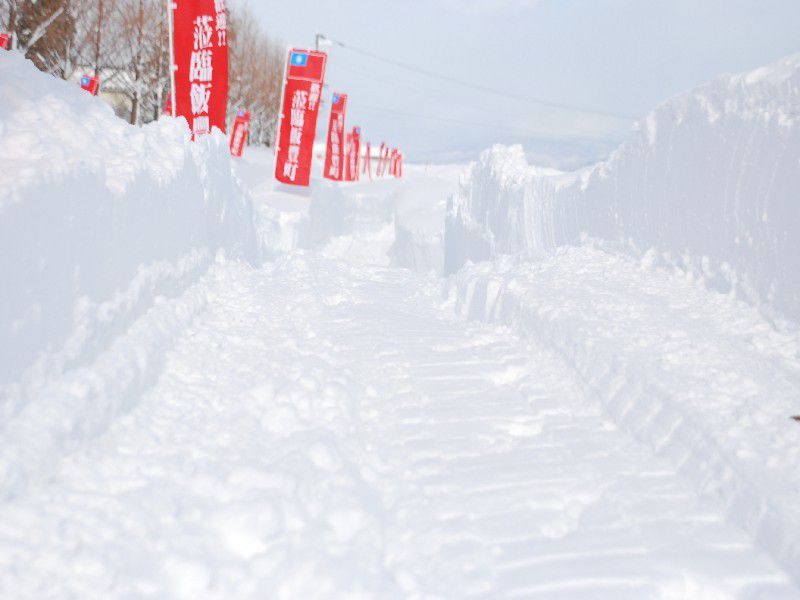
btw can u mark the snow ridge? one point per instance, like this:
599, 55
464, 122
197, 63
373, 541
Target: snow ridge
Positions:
706, 182
706, 383
104, 226
611, 267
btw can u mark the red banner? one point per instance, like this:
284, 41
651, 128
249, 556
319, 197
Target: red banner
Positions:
90, 84
367, 162
353, 150
348, 169
201, 63
294, 147
239, 135
382, 157
5, 41
334, 147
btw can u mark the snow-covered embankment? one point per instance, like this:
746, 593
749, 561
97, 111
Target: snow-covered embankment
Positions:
387, 221
619, 270
708, 181
104, 228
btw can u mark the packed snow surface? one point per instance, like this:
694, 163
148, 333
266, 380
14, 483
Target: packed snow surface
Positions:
213, 388
325, 429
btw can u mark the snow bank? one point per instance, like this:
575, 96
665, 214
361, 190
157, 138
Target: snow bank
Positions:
704, 195
386, 222
701, 378
397, 222
708, 182
101, 224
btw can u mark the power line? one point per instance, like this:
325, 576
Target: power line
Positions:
528, 133
479, 87
518, 131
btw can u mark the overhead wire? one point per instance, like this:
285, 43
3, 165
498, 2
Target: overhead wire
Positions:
519, 132
483, 88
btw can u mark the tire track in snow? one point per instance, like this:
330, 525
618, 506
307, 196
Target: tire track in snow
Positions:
704, 381
324, 429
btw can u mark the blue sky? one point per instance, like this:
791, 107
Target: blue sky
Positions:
619, 56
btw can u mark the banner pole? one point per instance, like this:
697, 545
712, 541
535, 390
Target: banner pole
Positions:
283, 93
174, 101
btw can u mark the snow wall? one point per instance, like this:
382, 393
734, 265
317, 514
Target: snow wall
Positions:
102, 226
388, 222
709, 182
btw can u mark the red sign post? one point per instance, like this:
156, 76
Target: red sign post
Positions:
239, 135
90, 84
334, 147
302, 87
5, 41
200, 45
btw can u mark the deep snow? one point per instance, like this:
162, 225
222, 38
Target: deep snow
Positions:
325, 429
707, 182
101, 224
213, 388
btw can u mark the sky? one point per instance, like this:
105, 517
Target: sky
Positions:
621, 57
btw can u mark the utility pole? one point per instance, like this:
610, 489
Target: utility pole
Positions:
317, 39
173, 99
98, 38
12, 23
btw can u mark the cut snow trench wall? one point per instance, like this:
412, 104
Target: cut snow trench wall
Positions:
706, 382
388, 222
710, 181
102, 225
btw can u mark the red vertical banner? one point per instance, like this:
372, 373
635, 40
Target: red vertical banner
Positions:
334, 145
387, 161
200, 38
379, 167
357, 152
294, 147
353, 154
5, 41
348, 141
367, 162
239, 133
383, 157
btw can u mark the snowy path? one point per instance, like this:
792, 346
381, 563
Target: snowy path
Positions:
324, 429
